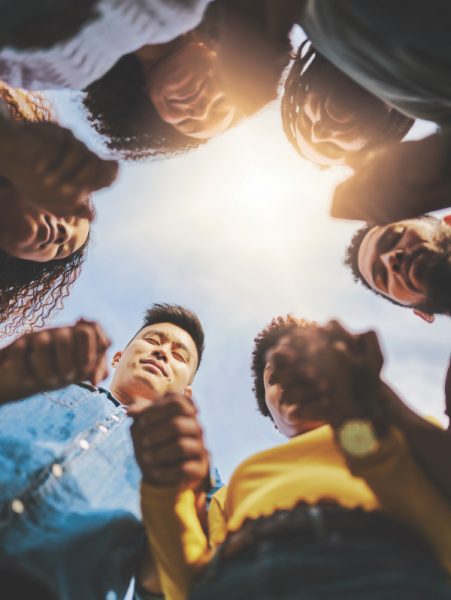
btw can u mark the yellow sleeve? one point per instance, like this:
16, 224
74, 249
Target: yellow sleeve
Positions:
177, 540
405, 492
217, 522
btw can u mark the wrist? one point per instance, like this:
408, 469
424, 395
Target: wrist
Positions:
357, 438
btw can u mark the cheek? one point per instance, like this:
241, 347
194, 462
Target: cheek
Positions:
273, 395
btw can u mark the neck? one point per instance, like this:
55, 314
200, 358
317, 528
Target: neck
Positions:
137, 398
122, 396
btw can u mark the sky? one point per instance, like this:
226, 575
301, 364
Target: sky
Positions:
239, 231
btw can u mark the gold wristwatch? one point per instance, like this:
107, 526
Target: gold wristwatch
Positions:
358, 438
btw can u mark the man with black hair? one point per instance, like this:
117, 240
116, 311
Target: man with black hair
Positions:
408, 262
69, 483
344, 509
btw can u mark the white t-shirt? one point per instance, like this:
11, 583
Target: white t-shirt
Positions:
122, 26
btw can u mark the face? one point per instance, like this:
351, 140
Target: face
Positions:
187, 91
286, 416
41, 237
331, 127
161, 358
396, 259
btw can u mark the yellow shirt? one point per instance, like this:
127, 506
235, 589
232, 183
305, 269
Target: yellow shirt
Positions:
309, 468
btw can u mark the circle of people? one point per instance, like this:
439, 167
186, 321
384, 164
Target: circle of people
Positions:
104, 491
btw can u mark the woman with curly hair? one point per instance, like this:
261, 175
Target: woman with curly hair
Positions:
40, 253
160, 77
166, 99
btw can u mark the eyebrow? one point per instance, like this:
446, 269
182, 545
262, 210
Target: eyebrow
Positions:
165, 338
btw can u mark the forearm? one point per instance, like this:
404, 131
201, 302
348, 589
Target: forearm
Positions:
406, 493
176, 538
430, 445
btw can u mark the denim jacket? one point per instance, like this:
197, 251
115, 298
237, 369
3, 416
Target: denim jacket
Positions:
69, 493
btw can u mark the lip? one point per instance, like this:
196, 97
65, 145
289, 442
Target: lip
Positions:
154, 366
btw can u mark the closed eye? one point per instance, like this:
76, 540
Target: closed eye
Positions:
180, 357
390, 238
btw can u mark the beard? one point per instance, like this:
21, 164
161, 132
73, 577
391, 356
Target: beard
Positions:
437, 275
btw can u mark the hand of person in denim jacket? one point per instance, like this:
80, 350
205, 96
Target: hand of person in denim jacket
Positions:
169, 443
332, 374
53, 358
50, 167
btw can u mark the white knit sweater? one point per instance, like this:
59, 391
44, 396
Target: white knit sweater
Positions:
122, 27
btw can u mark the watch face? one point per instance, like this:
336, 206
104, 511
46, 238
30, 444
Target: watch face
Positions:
358, 438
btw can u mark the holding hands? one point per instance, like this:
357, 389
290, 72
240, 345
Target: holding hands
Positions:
53, 358
169, 444
332, 374
396, 182
60, 171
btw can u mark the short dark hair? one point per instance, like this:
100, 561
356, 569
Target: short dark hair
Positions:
311, 70
352, 255
177, 315
264, 341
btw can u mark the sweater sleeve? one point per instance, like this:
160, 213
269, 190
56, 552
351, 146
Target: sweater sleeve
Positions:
217, 521
177, 540
405, 492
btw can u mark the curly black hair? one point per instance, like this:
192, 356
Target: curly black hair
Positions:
310, 70
119, 109
31, 291
264, 341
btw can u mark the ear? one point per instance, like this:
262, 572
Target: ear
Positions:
188, 391
424, 315
116, 358
447, 219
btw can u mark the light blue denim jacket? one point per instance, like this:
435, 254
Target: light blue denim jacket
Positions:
69, 492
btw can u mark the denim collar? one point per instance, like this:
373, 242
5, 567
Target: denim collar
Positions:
102, 390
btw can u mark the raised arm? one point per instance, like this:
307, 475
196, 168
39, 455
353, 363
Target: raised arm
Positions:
53, 358
170, 451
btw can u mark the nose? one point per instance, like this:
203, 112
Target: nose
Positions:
393, 260
160, 354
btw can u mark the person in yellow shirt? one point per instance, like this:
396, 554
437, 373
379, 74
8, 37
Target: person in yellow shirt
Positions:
343, 510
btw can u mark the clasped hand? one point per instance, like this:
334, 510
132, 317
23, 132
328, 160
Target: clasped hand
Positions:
331, 373
169, 444
53, 358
